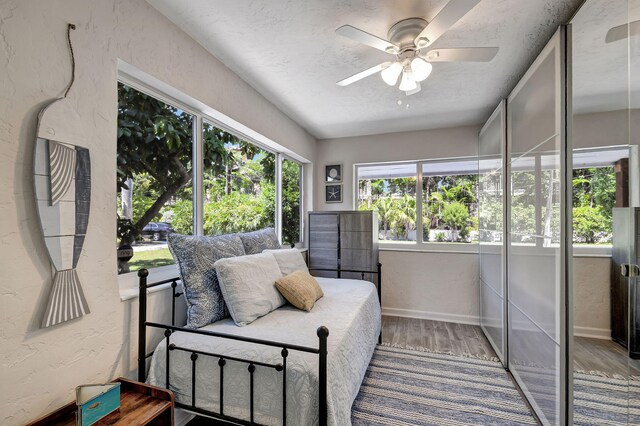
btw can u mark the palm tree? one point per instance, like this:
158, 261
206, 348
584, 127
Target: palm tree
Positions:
384, 207
407, 213
438, 199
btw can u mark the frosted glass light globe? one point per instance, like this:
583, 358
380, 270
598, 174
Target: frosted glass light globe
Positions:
391, 73
421, 69
408, 83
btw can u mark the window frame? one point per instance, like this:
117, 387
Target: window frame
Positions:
128, 282
596, 250
579, 250
301, 238
419, 245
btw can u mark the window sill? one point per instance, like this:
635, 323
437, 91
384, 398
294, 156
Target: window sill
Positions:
591, 251
128, 283
455, 248
579, 251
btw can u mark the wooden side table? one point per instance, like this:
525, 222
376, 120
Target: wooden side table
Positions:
140, 404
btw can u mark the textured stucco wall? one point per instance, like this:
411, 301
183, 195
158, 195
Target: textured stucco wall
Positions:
592, 296
39, 369
439, 286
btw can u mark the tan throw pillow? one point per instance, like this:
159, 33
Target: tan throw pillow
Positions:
300, 289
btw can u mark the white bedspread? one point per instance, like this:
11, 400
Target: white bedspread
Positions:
351, 312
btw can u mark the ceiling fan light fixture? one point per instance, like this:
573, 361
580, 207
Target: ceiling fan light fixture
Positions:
420, 69
391, 73
408, 82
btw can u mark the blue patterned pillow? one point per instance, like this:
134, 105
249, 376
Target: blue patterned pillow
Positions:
195, 257
257, 241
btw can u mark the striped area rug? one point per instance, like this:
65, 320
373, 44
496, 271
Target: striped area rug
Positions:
603, 400
407, 387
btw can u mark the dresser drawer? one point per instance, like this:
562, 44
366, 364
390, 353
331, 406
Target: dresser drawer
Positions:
323, 258
323, 222
355, 259
356, 222
356, 240
323, 239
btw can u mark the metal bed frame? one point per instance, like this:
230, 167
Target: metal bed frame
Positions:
322, 333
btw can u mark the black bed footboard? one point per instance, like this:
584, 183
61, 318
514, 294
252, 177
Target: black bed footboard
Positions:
321, 351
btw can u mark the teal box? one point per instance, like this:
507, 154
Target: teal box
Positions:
96, 401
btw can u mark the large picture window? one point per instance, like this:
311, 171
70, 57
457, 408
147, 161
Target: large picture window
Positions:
448, 208
449, 201
161, 148
535, 177
154, 176
239, 186
390, 190
594, 194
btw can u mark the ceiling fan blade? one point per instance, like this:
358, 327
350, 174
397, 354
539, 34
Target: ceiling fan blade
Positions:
623, 31
369, 39
449, 15
465, 54
414, 91
362, 74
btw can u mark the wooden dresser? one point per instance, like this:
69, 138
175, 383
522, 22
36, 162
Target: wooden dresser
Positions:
345, 240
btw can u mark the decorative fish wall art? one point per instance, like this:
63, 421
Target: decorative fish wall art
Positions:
63, 192
62, 184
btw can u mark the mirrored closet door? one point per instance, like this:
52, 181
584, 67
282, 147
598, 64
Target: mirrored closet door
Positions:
633, 32
491, 248
606, 220
523, 248
536, 278
559, 202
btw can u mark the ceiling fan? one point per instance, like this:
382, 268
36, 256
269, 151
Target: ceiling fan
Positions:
407, 41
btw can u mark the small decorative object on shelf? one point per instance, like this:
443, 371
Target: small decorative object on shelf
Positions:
333, 173
95, 402
333, 193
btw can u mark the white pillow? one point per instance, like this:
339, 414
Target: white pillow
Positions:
248, 286
289, 260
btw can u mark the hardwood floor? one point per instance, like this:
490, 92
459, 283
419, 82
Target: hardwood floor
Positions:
604, 356
436, 336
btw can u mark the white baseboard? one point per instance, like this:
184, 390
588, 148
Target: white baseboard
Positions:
434, 316
182, 417
594, 333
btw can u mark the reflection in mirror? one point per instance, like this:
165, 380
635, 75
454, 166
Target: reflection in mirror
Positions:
605, 185
633, 32
491, 247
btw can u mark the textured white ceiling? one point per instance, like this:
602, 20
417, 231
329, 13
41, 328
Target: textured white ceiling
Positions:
602, 73
288, 51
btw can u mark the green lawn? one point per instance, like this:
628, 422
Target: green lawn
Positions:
151, 259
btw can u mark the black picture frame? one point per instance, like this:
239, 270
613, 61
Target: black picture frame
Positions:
333, 173
333, 193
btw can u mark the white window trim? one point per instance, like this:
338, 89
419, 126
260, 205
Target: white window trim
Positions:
419, 245
131, 76
299, 244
